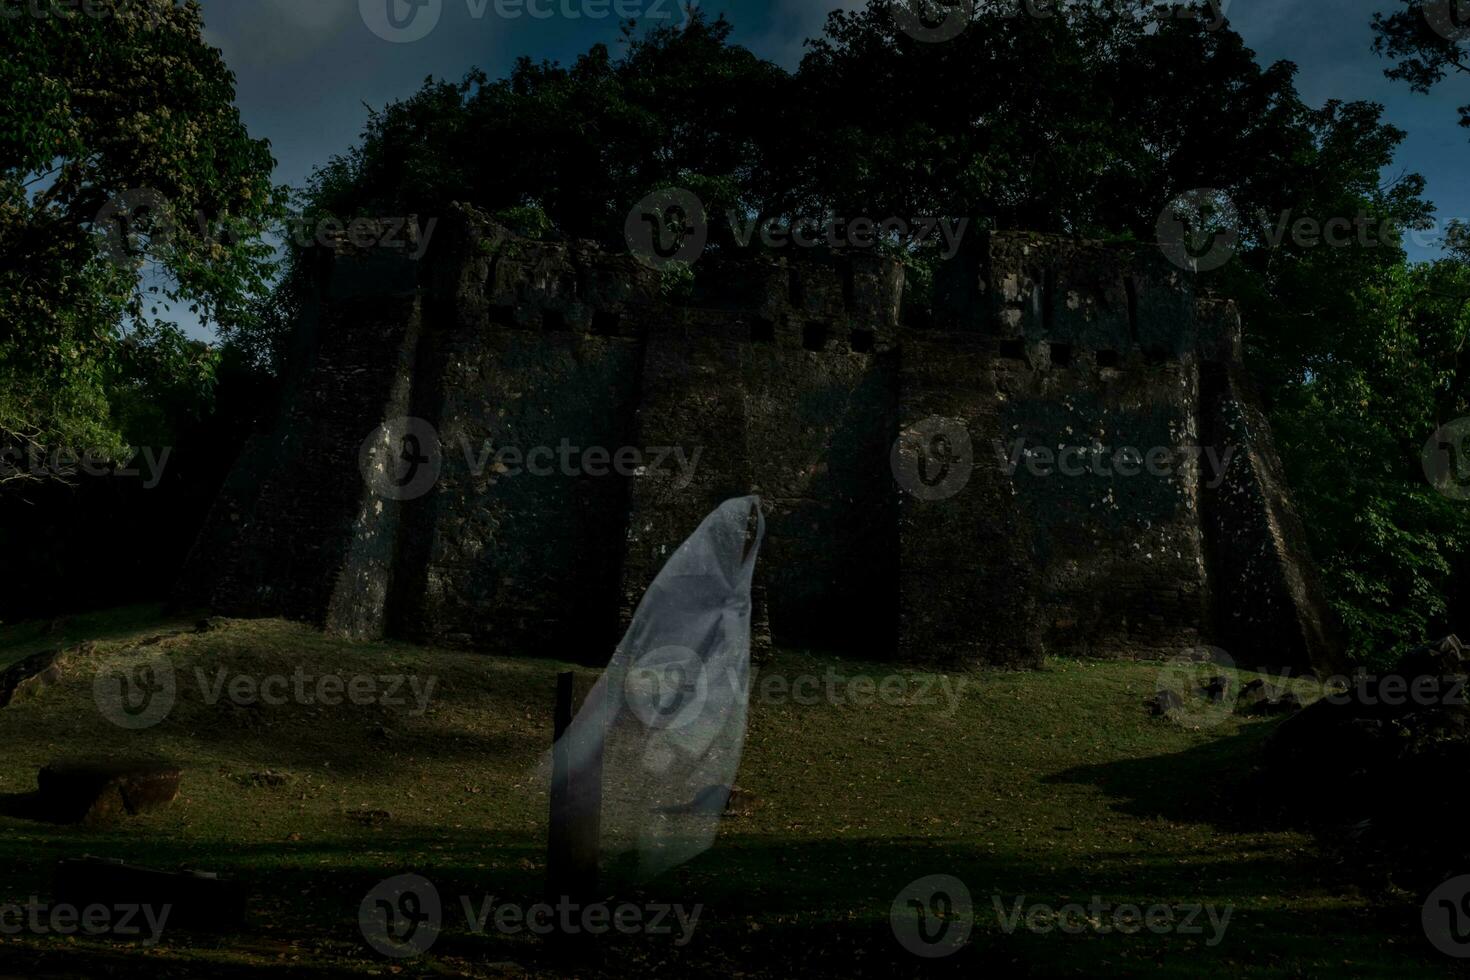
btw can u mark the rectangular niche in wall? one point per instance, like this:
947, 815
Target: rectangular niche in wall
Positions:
814, 336
605, 323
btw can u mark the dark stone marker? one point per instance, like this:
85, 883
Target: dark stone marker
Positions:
576, 810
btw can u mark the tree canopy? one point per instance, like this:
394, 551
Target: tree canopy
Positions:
1429, 40
127, 183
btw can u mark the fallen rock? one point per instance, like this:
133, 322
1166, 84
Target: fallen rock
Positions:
104, 791
741, 803
1442, 658
1254, 693
1383, 757
30, 675
1164, 704
38, 672
1217, 688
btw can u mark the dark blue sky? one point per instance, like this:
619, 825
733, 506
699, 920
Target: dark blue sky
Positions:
306, 68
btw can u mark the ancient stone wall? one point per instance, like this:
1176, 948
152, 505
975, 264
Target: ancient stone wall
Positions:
803, 380
1079, 352
296, 531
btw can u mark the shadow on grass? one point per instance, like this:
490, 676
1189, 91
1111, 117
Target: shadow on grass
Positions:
1212, 783
778, 907
23, 806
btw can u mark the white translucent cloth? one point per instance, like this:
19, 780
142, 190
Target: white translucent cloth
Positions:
666, 721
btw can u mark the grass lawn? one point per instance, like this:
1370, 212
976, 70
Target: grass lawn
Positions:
1044, 787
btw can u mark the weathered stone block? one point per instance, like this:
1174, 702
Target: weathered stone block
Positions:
104, 791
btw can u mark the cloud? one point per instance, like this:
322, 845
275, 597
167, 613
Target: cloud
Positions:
274, 31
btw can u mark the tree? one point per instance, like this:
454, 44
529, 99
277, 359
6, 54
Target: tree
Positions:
127, 180
1352, 436
1430, 39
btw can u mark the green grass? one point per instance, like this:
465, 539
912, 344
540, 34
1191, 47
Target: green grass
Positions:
20, 640
1052, 785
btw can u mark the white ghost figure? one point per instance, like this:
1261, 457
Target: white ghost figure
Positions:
666, 721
